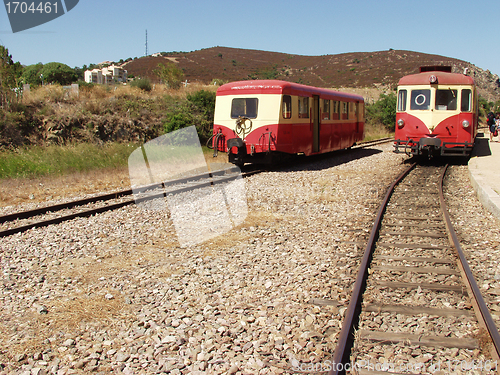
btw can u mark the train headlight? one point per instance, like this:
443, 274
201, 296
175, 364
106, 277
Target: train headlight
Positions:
465, 124
401, 123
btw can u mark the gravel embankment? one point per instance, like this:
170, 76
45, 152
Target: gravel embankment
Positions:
116, 293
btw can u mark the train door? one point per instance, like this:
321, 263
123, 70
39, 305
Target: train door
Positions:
315, 122
358, 109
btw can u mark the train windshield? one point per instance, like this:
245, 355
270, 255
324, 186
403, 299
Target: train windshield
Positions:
402, 100
446, 100
466, 100
244, 107
420, 100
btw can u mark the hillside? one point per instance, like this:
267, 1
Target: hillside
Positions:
380, 70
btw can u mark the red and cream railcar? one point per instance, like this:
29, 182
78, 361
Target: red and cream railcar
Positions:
260, 121
436, 113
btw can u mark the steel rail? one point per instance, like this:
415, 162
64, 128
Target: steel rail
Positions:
114, 195
342, 352
62, 206
100, 198
90, 212
484, 313
341, 360
372, 143
106, 197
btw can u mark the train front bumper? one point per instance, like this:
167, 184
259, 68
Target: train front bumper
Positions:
432, 147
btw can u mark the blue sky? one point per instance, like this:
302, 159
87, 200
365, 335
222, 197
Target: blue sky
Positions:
96, 31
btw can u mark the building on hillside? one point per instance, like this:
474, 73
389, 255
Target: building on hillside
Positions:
93, 76
110, 74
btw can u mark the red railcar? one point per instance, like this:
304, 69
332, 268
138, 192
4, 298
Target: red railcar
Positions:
436, 113
260, 121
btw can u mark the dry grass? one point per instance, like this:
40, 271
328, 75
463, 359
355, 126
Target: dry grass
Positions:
40, 189
376, 131
235, 236
16, 191
84, 311
77, 311
114, 260
75, 314
56, 93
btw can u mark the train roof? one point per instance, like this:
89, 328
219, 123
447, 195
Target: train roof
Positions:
443, 78
273, 86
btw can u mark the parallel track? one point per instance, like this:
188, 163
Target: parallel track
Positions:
25, 220
150, 192
408, 250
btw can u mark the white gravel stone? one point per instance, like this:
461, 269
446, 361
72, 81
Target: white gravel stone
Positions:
242, 302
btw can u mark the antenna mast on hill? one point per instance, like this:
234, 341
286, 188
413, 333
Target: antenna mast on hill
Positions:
146, 42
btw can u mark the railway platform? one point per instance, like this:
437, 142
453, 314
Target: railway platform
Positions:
484, 171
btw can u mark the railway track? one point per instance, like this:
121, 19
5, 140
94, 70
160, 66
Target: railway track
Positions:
415, 295
41, 217
22, 221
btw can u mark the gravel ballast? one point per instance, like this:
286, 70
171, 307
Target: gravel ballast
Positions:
116, 293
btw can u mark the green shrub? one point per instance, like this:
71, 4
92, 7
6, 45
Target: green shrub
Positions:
170, 75
383, 111
198, 111
142, 83
180, 118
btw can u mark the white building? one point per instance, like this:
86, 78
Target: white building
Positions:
93, 76
110, 74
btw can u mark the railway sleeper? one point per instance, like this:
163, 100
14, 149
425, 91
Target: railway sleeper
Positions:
414, 310
387, 338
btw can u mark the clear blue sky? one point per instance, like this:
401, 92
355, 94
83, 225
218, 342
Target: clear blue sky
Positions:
96, 31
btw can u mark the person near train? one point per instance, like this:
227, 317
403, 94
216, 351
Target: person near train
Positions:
491, 124
497, 124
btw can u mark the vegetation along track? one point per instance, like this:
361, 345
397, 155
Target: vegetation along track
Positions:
415, 296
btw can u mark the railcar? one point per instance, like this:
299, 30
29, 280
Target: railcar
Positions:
436, 113
263, 121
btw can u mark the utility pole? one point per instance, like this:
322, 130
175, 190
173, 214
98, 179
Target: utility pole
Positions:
146, 42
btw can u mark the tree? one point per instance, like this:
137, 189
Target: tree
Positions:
55, 72
9, 75
31, 74
170, 75
80, 73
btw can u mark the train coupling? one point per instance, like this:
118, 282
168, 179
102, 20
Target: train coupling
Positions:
239, 157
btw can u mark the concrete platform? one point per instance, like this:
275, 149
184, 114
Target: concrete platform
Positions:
484, 171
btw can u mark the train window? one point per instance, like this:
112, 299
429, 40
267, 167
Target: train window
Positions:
303, 107
244, 107
466, 105
336, 110
345, 110
325, 115
402, 94
287, 106
353, 110
420, 99
446, 100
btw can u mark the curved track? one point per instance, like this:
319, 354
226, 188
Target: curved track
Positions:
413, 281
